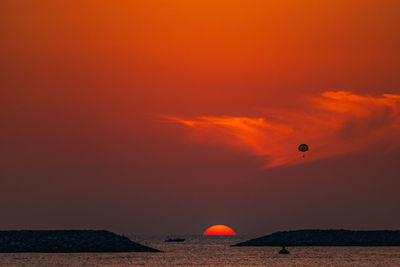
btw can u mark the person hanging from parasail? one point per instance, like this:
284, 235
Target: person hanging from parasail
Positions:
303, 148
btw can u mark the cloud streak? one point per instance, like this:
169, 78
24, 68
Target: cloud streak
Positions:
332, 123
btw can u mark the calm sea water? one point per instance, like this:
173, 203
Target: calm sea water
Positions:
214, 251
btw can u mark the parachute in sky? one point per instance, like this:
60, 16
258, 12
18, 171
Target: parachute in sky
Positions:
303, 148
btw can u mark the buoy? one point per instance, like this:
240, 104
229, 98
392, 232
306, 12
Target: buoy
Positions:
284, 250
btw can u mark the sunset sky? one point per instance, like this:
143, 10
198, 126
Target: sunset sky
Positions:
167, 117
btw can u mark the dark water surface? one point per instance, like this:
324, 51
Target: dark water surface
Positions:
214, 251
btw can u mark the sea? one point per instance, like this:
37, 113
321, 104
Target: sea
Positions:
213, 251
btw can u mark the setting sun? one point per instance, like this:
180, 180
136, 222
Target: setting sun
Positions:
155, 119
219, 230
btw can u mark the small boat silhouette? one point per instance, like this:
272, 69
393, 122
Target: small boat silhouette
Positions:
284, 250
174, 239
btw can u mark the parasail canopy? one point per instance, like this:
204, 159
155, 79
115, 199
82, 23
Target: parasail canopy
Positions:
303, 148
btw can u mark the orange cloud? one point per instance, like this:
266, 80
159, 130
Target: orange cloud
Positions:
333, 123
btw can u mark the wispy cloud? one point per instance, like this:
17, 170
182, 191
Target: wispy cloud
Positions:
332, 123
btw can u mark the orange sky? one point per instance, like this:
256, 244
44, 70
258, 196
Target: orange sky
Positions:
93, 95
334, 123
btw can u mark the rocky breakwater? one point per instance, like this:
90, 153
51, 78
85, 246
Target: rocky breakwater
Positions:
327, 238
67, 241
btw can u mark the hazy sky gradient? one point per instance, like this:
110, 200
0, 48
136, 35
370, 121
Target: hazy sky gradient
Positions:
93, 95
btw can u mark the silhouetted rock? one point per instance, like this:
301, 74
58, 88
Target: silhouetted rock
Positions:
66, 241
327, 238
